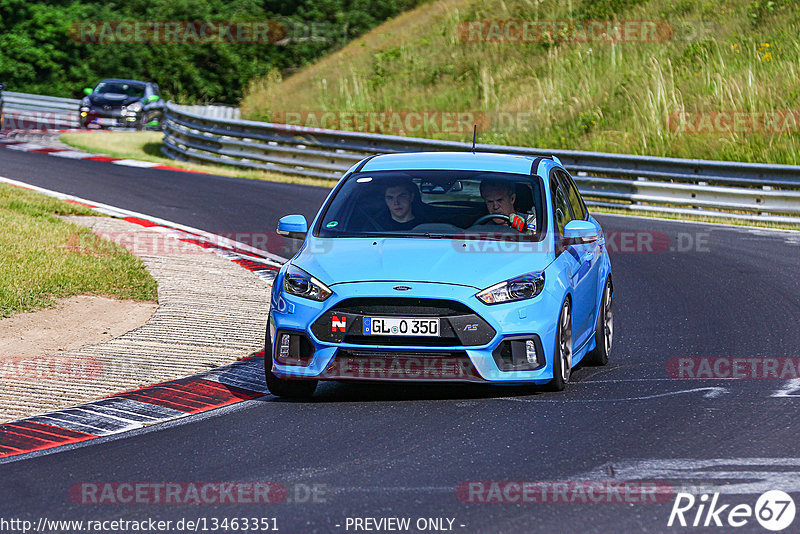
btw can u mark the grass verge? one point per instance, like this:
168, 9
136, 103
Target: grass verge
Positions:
717, 61
147, 146
40, 262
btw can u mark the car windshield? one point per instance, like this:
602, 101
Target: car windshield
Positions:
130, 89
435, 204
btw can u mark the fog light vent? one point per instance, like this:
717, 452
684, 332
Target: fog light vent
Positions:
523, 353
293, 348
531, 353
285, 344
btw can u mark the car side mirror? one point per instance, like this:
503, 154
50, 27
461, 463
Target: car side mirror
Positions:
152, 98
293, 226
579, 231
87, 91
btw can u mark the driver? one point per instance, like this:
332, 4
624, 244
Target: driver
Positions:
400, 197
499, 197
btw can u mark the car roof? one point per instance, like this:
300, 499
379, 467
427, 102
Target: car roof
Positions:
460, 161
120, 80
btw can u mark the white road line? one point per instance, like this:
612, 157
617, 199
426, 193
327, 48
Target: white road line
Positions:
611, 381
94, 414
25, 147
712, 392
135, 163
721, 475
120, 212
790, 389
55, 419
71, 154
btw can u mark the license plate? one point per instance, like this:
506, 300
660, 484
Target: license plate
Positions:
400, 326
105, 121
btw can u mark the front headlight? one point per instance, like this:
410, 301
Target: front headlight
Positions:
298, 282
522, 287
136, 107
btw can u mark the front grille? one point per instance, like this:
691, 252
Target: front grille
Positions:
460, 326
109, 111
447, 366
399, 306
402, 341
361, 353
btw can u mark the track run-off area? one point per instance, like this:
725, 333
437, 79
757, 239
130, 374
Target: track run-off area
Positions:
701, 395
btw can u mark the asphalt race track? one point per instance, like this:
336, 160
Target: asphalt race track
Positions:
363, 450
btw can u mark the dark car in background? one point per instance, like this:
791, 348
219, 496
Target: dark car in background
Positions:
122, 103
2, 87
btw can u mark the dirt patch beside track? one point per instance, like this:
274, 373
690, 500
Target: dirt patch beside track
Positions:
73, 323
210, 312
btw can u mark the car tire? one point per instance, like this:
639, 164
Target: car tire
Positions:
144, 120
562, 355
140, 124
281, 387
604, 331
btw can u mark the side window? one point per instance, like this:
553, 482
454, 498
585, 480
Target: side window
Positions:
579, 210
561, 213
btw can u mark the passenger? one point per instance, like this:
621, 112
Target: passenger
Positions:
499, 197
401, 196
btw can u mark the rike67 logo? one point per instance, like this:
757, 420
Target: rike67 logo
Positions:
774, 510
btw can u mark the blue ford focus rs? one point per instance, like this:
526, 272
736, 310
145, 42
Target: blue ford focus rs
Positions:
439, 266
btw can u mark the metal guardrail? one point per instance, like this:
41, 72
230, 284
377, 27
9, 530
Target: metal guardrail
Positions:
214, 111
23, 111
747, 191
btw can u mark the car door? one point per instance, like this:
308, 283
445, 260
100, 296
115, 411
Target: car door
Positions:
593, 249
577, 259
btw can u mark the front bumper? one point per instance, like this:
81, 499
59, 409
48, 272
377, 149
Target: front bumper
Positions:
326, 339
114, 117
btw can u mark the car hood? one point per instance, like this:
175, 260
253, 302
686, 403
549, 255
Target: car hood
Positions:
112, 99
478, 264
